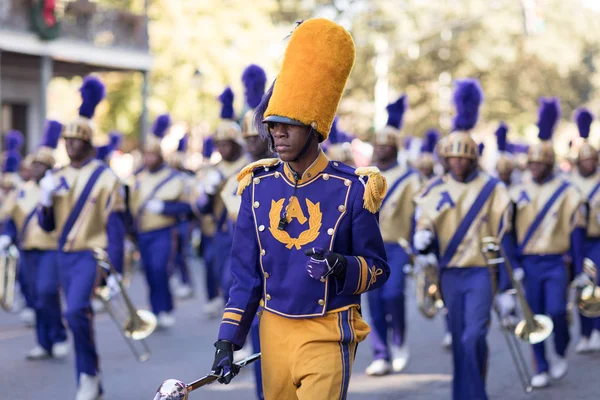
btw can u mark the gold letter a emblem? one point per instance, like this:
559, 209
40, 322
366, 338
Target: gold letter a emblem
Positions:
307, 236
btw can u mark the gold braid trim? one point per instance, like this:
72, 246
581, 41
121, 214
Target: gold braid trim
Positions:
244, 177
375, 189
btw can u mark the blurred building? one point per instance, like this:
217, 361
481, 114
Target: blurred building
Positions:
42, 39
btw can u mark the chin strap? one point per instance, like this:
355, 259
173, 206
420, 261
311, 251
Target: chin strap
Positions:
304, 149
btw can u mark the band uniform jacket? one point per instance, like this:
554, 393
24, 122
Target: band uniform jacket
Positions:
589, 189
19, 212
443, 206
325, 208
89, 230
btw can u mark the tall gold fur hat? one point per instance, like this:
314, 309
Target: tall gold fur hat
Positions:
159, 130
584, 119
316, 66
549, 113
467, 98
390, 134
92, 92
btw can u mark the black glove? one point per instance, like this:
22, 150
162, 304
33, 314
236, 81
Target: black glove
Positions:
323, 263
223, 364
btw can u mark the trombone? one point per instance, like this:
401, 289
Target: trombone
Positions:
135, 325
533, 328
9, 266
587, 298
429, 296
173, 389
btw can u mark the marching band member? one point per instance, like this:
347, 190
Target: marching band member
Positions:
548, 223
182, 231
455, 213
587, 179
340, 147
25, 169
81, 203
158, 196
38, 251
426, 161
307, 241
386, 304
208, 200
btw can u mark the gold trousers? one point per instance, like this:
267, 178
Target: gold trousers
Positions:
309, 358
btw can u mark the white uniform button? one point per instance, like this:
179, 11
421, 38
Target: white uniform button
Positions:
267, 275
321, 302
336, 164
347, 182
330, 231
256, 181
325, 177
277, 174
323, 279
342, 208
263, 252
261, 228
256, 204
268, 297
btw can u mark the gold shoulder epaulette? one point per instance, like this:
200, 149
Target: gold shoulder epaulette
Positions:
244, 178
375, 189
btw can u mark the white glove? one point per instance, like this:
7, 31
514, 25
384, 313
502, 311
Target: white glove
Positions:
212, 181
196, 237
112, 282
505, 303
48, 185
422, 239
201, 196
155, 206
518, 274
580, 280
424, 260
5, 241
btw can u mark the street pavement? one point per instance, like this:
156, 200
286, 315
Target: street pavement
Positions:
186, 352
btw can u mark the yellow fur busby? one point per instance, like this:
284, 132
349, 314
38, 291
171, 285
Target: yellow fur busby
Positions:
316, 66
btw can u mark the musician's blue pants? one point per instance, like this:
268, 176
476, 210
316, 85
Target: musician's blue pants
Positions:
46, 299
467, 294
155, 252
219, 259
389, 301
212, 276
181, 248
546, 284
78, 274
591, 251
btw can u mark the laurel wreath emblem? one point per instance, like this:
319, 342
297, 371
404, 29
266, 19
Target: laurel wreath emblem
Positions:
306, 237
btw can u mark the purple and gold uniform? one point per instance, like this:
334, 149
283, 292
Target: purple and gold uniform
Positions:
548, 223
330, 206
38, 249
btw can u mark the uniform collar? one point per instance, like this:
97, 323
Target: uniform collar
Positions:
159, 169
320, 163
470, 177
85, 164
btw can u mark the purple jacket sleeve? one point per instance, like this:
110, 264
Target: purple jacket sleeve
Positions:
46, 218
246, 290
367, 267
10, 228
177, 208
577, 252
115, 231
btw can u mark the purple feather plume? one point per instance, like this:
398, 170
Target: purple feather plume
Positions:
430, 140
13, 141
208, 147
501, 137
115, 140
584, 119
467, 98
255, 80
481, 147
333, 132
396, 112
183, 144
92, 93
548, 116
226, 99
12, 161
161, 125
52, 133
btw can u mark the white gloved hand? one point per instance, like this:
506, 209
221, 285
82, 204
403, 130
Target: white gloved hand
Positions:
5, 241
422, 239
211, 182
582, 280
201, 196
506, 303
48, 185
155, 206
518, 274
